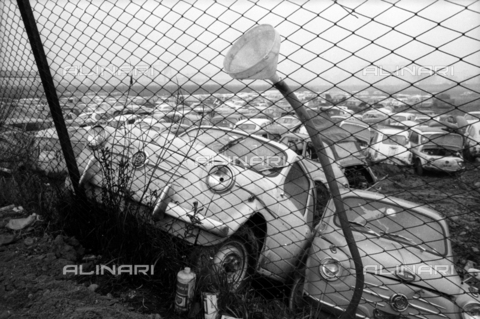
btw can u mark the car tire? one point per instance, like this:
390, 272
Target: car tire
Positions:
233, 259
230, 263
418, 168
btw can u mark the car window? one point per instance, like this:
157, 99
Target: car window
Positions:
414, 137
358, 131
395, 223
346, 150
257, 155
247, 127
399, 118
394, 139
297, 187
186, 121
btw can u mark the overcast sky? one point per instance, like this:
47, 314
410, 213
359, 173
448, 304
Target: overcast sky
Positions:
322, 42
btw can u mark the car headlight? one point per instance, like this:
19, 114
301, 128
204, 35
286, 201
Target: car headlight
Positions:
471, 311
220, 178
330, 269
399, 302
97, 137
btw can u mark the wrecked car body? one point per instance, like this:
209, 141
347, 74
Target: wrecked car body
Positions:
219, 188
442, 152
407, 262
342, 149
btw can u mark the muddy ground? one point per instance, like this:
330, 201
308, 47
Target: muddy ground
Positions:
31, 260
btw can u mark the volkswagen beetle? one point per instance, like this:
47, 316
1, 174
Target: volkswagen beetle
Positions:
407, 262
251, 202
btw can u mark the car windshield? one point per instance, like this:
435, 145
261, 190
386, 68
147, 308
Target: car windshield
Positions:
399, 118
470, 117
394, 139
359, 132
395, 223
347, 149
247, 127
144, 126
170, 119
47, 145
445, 140
291, 121
245, 151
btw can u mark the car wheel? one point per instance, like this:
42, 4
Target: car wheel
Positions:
418, 168
232, 261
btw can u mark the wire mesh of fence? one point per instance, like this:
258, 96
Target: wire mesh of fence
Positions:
301, 157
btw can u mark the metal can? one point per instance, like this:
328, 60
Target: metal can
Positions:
210, 304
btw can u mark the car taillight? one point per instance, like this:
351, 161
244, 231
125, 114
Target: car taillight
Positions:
97, 137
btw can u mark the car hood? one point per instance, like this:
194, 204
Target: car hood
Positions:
152, 163
351, 161
448, 141
431, 271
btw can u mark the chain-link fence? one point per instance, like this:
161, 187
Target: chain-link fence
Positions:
322, 155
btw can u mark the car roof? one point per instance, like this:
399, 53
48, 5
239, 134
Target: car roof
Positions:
425, 129
283, 147
391, 130
404, 113
253, 121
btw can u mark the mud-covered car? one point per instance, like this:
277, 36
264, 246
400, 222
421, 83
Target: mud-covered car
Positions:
342, 148
407, 262
250, 202
438, 151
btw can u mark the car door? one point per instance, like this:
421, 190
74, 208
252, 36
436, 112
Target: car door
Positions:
290, 231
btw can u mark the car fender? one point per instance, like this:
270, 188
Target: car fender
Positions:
195, 235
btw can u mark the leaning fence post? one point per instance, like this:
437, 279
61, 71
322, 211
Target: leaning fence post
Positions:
50, 92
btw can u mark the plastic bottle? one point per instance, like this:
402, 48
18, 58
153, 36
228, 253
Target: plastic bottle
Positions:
185, 290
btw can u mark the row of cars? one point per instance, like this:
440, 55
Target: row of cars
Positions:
257, 205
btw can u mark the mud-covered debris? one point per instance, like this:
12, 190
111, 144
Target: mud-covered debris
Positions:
58, 240
7, 239
21, 223
50, 257
73, 241
93, 287
29, 241
6, 209
69, 253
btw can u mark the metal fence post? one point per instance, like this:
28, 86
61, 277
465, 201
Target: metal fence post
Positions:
50, 92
